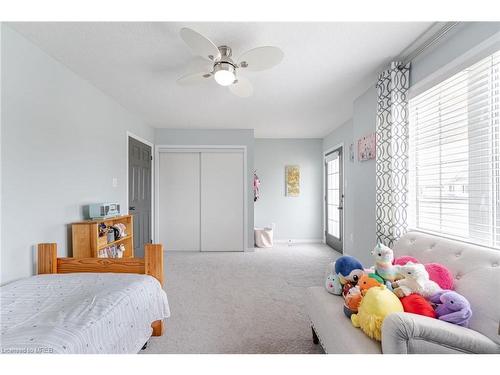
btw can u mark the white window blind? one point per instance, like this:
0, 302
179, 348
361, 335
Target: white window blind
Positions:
454, 159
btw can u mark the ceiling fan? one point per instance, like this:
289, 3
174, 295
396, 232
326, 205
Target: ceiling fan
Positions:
223, 68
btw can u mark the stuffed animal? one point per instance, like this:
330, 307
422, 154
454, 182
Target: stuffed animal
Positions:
401, 261
416, 304
437, 272
452, 307
416, 280
352, 300
440, 275
345, 289
348, 269
332, 284
383, 262
368, 281
377, 303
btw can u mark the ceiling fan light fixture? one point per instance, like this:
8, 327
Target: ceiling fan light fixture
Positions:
224, 74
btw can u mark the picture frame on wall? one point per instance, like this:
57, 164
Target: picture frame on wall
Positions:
292, 180
367, 147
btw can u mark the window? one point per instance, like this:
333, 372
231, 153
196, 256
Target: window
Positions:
454, 179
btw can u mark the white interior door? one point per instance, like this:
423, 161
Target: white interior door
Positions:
222, 200
179, 200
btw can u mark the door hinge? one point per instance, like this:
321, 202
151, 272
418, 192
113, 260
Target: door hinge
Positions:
151, 158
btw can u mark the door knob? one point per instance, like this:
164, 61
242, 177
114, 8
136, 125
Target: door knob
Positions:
132, 208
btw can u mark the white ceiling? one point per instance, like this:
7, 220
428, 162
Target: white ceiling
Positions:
326, 66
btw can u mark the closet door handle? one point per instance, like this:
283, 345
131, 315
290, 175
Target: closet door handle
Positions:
132, 208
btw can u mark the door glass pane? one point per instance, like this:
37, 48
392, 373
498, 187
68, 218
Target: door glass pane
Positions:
333, 228
330, 181
333, 197
335, 184
335, 165
330, 227
334, 214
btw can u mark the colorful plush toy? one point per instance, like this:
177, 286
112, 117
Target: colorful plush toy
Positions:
401, 261
368, 281
377, 303
345, 288
383, 262
452, 307
416, 280
352, 300
440, 275
348, 269
416, 304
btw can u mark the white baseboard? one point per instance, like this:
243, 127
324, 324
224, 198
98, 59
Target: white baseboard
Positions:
299, 240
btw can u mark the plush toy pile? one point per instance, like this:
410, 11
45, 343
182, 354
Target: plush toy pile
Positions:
395, 285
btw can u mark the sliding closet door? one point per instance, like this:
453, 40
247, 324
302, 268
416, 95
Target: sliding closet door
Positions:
222, 201
179, 200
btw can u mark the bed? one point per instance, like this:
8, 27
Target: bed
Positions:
85, 305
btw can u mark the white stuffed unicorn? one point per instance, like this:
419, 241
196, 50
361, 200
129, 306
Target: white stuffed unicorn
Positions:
416, 280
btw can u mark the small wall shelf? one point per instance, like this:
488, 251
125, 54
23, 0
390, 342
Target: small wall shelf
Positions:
86, 240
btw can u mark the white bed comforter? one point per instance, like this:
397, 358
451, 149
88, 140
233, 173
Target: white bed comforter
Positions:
80, 313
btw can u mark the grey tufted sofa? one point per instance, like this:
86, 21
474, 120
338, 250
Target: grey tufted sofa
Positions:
477, 277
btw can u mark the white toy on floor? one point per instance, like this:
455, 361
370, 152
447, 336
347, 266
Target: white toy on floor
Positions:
416, 280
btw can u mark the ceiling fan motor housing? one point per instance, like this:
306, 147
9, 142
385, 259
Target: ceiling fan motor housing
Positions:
225, 67
225, 56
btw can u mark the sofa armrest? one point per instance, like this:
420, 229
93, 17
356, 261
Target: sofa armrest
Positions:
405, 333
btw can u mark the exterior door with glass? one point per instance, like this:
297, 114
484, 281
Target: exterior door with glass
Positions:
334, 199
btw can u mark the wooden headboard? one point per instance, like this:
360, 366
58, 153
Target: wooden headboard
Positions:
151, 264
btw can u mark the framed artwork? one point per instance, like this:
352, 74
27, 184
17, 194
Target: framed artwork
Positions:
366, 147
292, 180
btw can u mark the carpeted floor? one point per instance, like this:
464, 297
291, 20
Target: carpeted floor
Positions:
249, 302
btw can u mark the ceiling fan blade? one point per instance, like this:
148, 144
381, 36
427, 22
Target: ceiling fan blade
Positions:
199, 44
261, 58
242, 88
194, 78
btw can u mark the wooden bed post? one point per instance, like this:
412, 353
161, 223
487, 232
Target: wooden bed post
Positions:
47, 258
153, 266
153, 261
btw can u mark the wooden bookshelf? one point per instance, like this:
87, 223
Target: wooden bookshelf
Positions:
86, 240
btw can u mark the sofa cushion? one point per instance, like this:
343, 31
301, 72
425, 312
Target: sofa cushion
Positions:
476, 271
335, 331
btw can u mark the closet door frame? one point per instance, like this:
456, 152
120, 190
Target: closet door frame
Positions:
201, 148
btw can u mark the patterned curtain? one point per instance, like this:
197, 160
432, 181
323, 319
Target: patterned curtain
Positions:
392, 153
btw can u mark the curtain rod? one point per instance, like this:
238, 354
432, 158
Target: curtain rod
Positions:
435, 38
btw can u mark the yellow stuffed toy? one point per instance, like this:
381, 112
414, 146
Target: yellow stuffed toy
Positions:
377, 303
